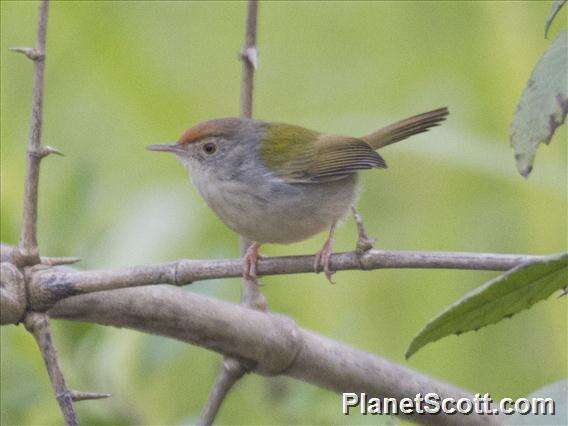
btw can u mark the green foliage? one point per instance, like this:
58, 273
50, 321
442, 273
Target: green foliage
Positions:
500, 298
556, 6
123, 75
543, 105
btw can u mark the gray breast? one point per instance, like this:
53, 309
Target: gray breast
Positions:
269, 210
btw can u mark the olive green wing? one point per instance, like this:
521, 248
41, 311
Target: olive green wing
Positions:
299, 155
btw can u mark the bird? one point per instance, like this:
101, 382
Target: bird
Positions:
279, 183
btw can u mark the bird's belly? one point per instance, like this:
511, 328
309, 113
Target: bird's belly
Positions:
277, 212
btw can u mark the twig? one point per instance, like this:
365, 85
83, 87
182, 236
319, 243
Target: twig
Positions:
364, 242
249, 56
233, 370
52, 284
28, 240
230, 373
38, 325
272, 342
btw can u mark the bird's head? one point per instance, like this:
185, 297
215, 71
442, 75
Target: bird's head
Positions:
220, 146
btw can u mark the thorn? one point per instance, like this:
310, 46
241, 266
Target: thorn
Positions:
251, 55
44, 151
83, 396
56, 261
31, 52
364, 242
48, 150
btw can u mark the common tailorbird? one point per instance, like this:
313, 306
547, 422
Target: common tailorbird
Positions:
280, 183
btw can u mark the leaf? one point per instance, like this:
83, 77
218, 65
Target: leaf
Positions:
502, 297
558, 392
556, 6
543, 104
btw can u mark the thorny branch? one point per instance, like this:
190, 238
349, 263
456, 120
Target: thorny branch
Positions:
27, 255
270, 344
49, 285
232, 370
249, 56
38, 325
28, 239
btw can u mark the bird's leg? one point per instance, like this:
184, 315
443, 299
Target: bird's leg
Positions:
323, 256
364, 242
250, 259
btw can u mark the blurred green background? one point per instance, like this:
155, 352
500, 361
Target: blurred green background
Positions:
122, 75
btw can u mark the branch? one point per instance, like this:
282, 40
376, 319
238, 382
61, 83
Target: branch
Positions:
28, 239
49, 285
233, 370
272, 342
13, 293
249, 56
364, 242
37, 324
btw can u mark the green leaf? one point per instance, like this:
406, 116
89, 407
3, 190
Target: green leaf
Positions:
556, 6
558, 392
543, 104
499, 298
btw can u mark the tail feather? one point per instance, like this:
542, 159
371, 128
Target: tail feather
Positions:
406, 128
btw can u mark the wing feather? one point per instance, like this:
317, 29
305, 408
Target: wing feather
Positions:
310, 157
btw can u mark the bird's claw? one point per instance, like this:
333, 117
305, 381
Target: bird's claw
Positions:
250, 260
322, 260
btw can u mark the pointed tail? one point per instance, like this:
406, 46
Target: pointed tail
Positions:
406, 128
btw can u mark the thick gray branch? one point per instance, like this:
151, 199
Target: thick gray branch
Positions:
272, 342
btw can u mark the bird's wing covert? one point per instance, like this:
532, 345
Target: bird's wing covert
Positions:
298, 155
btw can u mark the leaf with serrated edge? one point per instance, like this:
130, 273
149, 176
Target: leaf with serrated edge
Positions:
502, 297
543, 104
556, 6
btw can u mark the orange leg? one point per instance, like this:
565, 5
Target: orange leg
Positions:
250, 259
323, 256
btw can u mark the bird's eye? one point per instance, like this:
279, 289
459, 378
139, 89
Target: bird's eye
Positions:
209, 148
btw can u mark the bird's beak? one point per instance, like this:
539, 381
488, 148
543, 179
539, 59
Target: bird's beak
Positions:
176, 148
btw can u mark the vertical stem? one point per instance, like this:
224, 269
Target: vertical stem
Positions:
28, 240
249, 57
230, 373
38, 325
233, 370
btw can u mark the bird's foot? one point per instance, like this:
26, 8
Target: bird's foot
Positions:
322, 259
250, 260
364, 242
